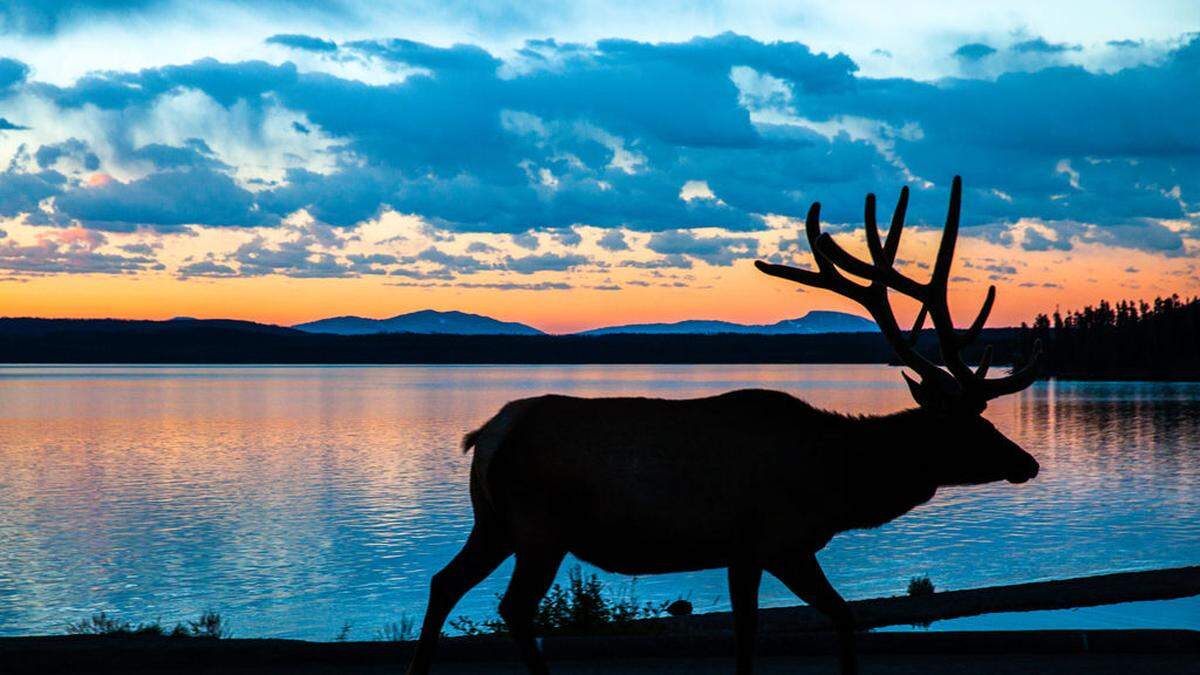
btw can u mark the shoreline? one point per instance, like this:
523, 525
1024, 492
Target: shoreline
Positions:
1067, 651
785, 633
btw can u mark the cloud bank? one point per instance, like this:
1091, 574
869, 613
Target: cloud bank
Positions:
726, 134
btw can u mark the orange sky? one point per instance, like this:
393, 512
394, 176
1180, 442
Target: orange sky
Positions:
1085, 274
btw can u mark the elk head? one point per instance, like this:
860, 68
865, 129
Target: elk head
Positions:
966, 447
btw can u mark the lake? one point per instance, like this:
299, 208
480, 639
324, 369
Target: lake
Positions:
295, 500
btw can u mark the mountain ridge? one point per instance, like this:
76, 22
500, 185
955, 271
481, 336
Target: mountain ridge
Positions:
813, 322
425, 321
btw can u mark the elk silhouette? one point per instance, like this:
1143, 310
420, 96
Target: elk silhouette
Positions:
750, 480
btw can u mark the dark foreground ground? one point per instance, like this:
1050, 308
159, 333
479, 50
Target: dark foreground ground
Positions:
1066, 652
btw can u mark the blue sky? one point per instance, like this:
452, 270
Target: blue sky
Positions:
518, 145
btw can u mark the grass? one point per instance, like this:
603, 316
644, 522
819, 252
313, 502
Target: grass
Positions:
208, 625
404, 631
583, 606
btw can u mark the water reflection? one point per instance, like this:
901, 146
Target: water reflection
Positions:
296, 499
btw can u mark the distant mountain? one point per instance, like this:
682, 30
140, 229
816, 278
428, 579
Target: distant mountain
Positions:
814, 322
426, 321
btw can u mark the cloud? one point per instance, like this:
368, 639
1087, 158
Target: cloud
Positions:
166, 200
526, 240
6, 125
303, 42
721, 251
21, 192
567, 236
193, 153
45, 17
974, 51
1036, 241
206, 268
1040, 45
497, 286
40, 18
450, 263
613, 240
70, 251
545, 262
72, 148
295, 258
12, 73
610, 134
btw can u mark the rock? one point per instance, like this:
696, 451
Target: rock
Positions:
679, 608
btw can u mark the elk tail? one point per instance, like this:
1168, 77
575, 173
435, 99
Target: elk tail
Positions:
471, 439
489, 438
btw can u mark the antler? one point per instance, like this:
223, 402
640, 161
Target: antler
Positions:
961, 381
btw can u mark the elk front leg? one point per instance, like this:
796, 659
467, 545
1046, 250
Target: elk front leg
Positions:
804, 577
743, 596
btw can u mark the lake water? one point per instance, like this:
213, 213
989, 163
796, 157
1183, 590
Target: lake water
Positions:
296, 499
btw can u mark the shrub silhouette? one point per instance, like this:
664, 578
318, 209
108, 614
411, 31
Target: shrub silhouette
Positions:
583, 606
918, 586
209, 624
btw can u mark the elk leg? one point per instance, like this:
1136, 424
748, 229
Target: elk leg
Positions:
532, 577
804, 577
480, 556
743, 596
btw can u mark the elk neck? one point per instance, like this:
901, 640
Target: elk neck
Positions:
889, 464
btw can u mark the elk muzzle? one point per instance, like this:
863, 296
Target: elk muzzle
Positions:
1026, 469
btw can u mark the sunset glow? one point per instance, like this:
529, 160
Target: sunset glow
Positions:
374, 169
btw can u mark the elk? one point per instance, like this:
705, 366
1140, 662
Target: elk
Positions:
749, 480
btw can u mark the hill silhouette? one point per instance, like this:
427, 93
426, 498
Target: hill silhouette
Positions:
226, 341
816, 321
424, 321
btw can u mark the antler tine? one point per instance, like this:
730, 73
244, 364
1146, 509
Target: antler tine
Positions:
826, 276
812, 231
915, 333
980, 319
878, 256
945, 254
935, 298
1015, 382
949, 341
887, 276
883, 270
985, 362
892, 245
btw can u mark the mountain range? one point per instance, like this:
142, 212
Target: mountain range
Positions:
461, 323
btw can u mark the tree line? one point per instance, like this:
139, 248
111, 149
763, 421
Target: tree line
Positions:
1128, 340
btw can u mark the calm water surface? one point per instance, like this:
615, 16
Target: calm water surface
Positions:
296, 499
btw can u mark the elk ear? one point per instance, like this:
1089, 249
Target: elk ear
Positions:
927, 396
917, 391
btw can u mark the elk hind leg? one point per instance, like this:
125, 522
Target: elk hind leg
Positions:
804, 577
532, 577
480, 556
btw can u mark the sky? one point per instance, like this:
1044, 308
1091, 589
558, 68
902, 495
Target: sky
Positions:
573, 165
